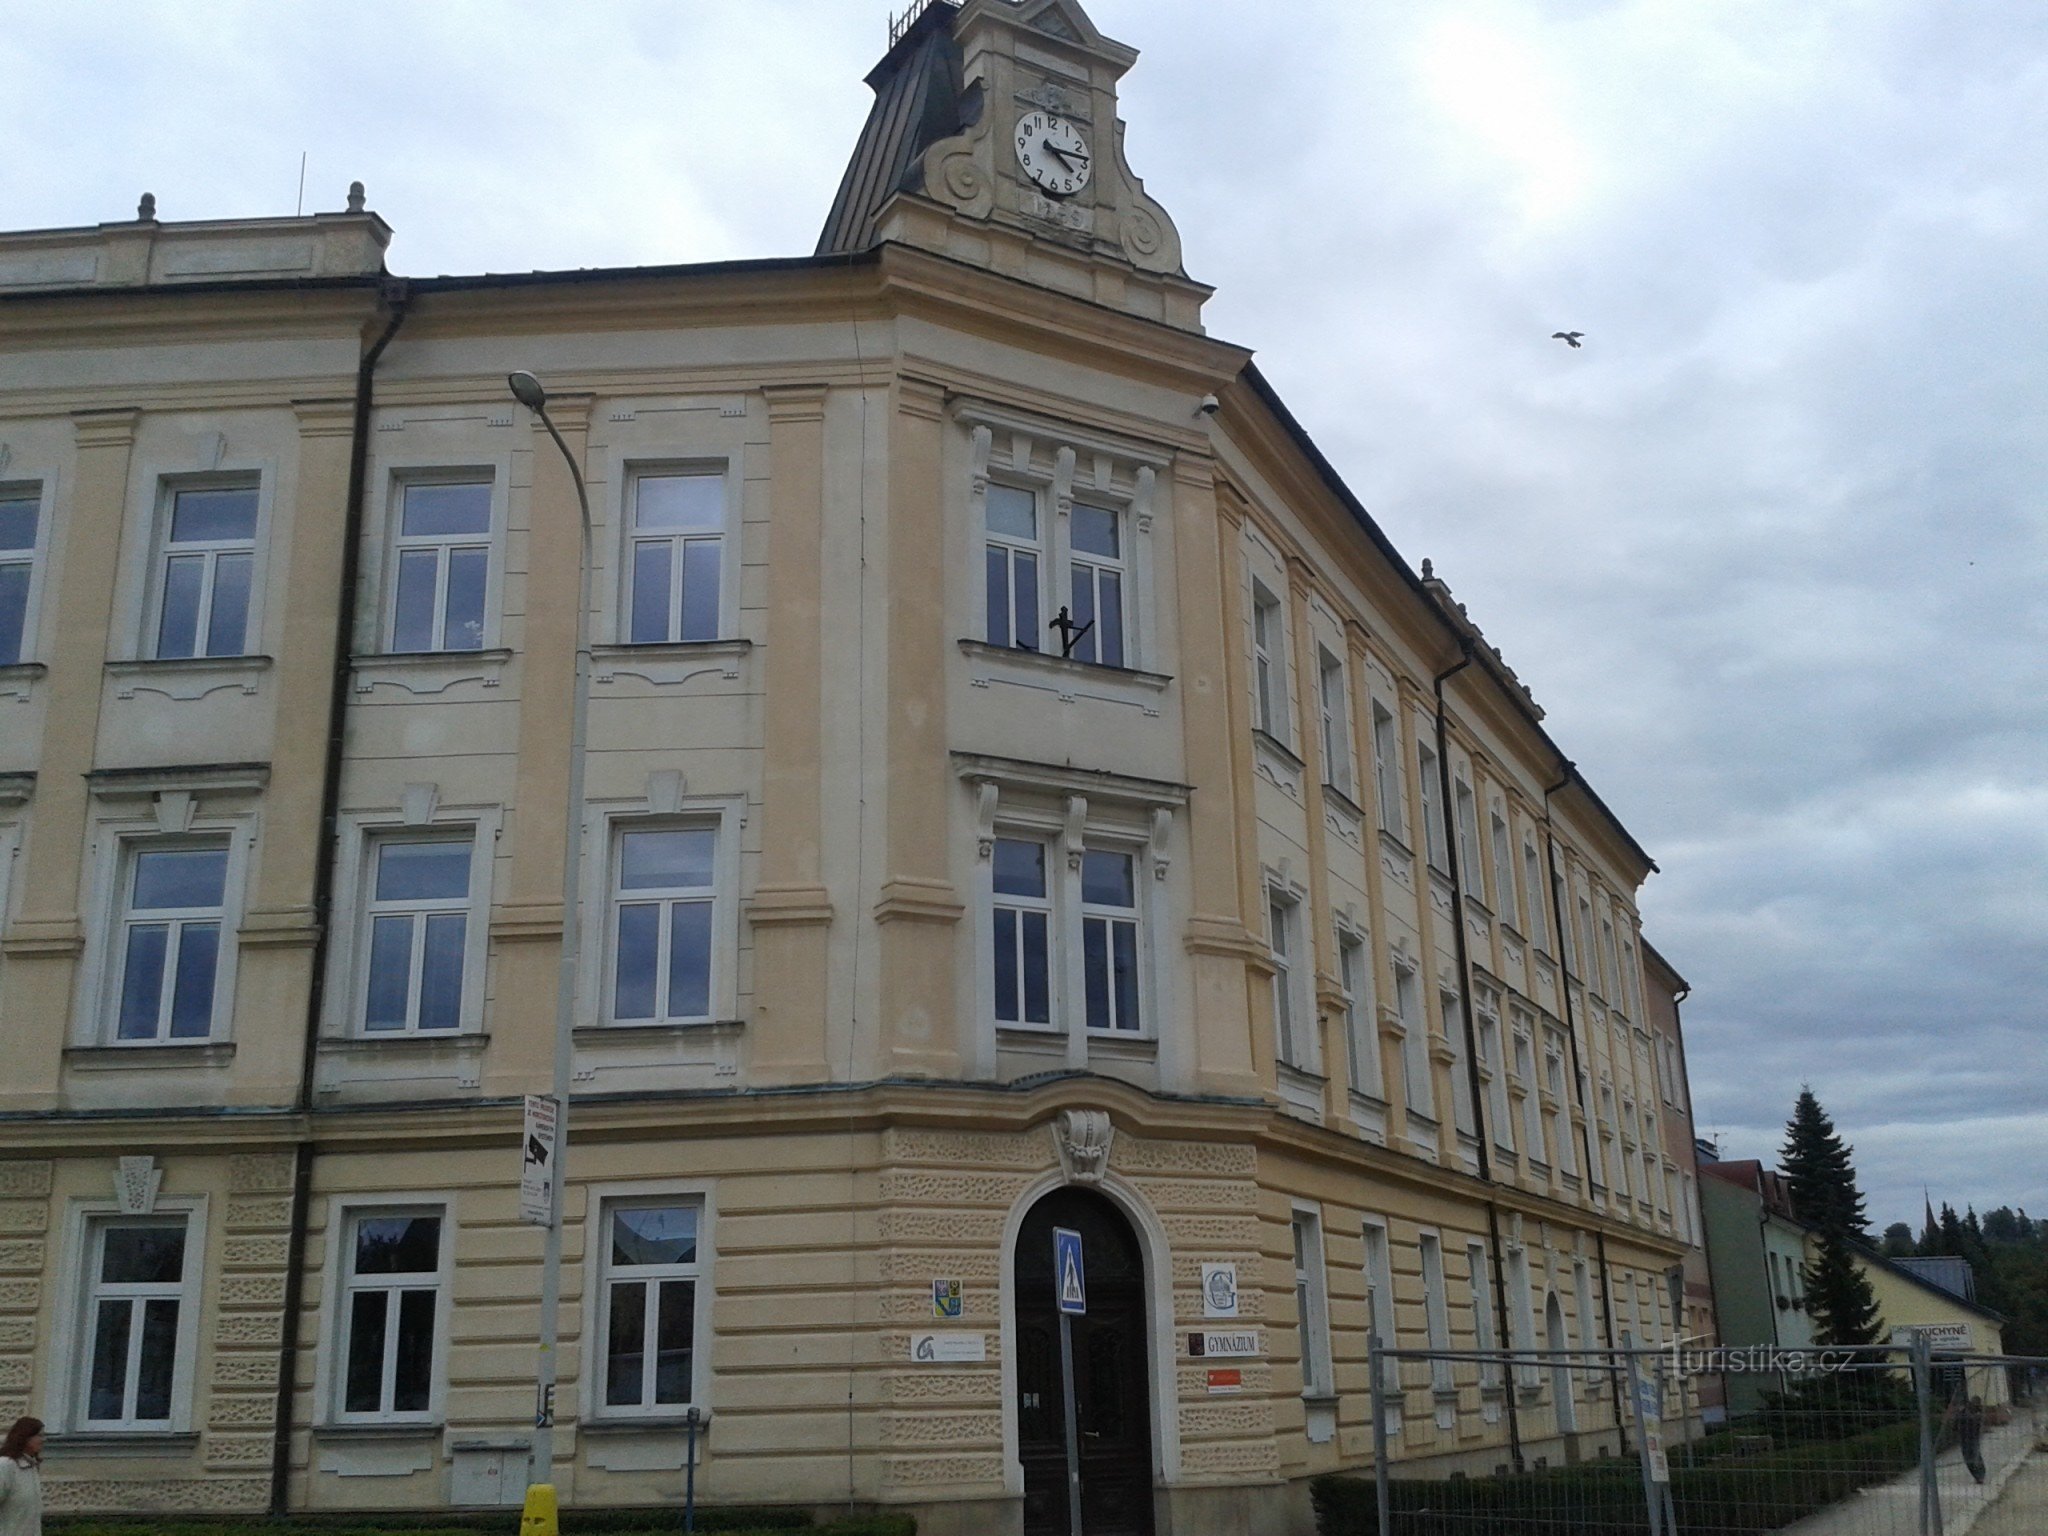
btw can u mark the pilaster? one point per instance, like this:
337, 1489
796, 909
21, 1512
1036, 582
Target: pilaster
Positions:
791, 910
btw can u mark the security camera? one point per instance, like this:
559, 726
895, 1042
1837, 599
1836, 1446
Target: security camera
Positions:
1210, 405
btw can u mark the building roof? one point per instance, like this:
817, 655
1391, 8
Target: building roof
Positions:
918, 101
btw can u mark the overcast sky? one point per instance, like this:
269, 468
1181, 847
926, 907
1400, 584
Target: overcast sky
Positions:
1770, 548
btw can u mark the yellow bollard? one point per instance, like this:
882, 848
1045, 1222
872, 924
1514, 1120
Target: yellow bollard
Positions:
540, 1518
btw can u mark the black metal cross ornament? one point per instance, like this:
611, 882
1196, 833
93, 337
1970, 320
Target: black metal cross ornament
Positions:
1070, 632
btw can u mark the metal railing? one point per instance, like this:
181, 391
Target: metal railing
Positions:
1878, 1441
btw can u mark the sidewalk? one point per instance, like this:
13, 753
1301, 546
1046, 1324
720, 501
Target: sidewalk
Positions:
2022, 1509
1893, 1508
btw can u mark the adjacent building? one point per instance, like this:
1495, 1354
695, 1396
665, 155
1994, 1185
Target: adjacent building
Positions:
1024, 789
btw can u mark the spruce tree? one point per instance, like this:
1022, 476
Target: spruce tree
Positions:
1815, 1161
1839, 1296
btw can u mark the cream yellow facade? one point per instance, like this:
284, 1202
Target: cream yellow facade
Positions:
1336, 986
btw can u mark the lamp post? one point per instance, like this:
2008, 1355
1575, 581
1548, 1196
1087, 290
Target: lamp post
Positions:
527, 390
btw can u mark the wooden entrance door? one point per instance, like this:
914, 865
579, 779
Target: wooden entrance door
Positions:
1112, 1381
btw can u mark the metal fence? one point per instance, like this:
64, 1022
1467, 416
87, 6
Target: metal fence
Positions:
1678, 1441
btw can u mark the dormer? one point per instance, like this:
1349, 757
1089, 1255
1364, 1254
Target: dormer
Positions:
994, 140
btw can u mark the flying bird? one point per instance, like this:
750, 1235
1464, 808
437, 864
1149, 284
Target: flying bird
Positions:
1569, 338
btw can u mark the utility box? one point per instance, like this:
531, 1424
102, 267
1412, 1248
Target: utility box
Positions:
489, 1474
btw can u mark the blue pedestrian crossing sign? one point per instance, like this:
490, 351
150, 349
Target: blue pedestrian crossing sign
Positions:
1069, 1278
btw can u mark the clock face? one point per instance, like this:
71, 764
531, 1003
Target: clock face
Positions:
1053, 153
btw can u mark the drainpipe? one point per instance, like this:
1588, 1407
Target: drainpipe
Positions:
393, 299
1446, 810
1581, 1081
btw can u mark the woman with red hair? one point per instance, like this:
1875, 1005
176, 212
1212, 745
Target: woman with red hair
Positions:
21, 1484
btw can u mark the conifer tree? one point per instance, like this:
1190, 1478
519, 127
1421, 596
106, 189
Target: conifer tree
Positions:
1815, 1161
1839, 1295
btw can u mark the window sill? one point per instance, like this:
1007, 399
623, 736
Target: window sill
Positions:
1317, 1397
15, 788
429, 672
1345, 803
185, 678
410, 1429
668, 663
149, 1055
1122, 1042
1268, 743
591, 1034
1045, 661
650, 1424
465, 1040
18, 679
127, 1442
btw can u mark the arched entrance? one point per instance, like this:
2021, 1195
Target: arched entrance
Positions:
1561, 1374
1112, 1393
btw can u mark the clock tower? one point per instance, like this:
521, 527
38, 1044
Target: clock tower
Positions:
994, 139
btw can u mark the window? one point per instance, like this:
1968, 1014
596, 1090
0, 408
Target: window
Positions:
172, 907
1484, 1327
1416, 1076
663, 896
648, 1306
1312, 1306
1289, 1031
1532, 882
1610, 966
208, 564
135, 1295
1361, 1041
1269, 663
1435, 1311
1432, 811
1554, 1115
1504, 903
1109, 938
1386, 769
1495, 1072
1023, 919
1522, 1311
676, 542
1468, 838
1607, 1124
1584, 942
390, 1313
1582, 1293
1336, 723
20, 514
418, 928
1464, 1111
442, 561
1532, 1108
1097, 573
1630, 988
1014, 618
1379, 1299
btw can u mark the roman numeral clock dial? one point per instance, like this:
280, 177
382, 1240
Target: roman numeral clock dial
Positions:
1053, 153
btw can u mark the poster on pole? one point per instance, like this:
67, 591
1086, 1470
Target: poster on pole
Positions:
1070, 1280
537, 1161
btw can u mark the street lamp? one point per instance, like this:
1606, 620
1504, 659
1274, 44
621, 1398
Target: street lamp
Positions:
527, 390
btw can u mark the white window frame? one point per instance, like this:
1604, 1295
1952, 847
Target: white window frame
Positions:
354, 885
1485, 1326
41, 491
1361, 1015
1388, 772
1557, 1114
1312, 1301
1012, 546
169, 488
1269, 662
421, 910
397, 542
1466, 805
604, 1199
1435, 854
720, 893
1123, 566
1494, 1067
634, 468
1532, 877
1464, 1110
1334, 698
1436, 1311
187, 1291
1506, 906
1521, 1313
1048, 904
1132, 917
72, 1334
127, 917
1381, 1311
1537, 1149
1418, 1075
331, 1367
1294, 1022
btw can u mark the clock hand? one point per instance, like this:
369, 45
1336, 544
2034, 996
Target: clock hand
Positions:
1073, 160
